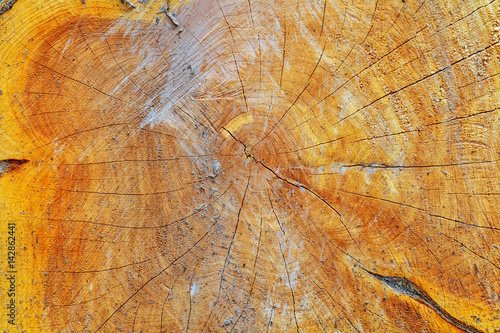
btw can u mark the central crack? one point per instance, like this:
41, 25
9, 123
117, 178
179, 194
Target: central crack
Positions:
407, 287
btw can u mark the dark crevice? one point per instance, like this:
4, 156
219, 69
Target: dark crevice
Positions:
6, 6
291, 289
406, 287
299, 186
235, 138
294, 184
9, 165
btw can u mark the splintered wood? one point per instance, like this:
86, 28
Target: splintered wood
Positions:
249, 166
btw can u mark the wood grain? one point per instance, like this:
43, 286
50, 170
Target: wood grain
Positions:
251, 166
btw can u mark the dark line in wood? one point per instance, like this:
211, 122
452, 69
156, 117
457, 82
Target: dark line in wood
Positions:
10, 165
254, 278
153, 278
6, 6
413, 83
323, 20
283, 56
291, 289
407, 287
230, 248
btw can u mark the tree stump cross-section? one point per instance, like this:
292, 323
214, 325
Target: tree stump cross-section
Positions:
250, 166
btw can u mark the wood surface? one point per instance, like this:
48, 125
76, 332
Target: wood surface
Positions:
250, 166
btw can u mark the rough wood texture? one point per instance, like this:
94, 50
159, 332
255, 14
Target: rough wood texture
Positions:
250, 166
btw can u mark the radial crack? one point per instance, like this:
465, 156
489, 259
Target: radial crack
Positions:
9, 165
406, 287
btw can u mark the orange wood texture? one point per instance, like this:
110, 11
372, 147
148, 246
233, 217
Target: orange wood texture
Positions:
250, 166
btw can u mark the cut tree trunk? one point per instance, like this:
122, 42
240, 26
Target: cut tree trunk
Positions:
250, 166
